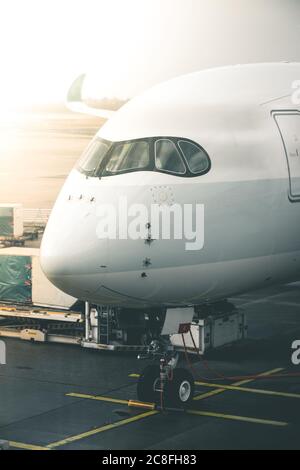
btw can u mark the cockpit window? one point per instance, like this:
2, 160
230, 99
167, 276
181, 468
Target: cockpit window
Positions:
127, 156
196, 158
167, 157
93, 156
178, 156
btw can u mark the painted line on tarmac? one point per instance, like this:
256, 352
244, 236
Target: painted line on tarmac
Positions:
101, 429
203, 396
246, 419
189, 411
98, 398
249, 390
22, 445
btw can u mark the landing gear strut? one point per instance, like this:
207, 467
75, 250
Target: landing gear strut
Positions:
164, 383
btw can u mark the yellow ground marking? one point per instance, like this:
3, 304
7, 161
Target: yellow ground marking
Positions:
112, 400
249, 390
193, 412
22, 445
104, 428
138, 417
98, 398
236, 384
221, 389
237, 418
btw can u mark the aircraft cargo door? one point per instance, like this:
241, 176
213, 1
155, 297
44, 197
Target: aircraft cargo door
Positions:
289, 127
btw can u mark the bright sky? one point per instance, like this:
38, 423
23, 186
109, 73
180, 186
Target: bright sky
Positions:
132, 44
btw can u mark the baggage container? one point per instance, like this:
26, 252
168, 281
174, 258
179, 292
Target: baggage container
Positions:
23, 281
11, 220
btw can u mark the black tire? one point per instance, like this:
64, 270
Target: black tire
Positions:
181, 389
146, 384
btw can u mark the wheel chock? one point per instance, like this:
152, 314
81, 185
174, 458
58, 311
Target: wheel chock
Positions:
140, 404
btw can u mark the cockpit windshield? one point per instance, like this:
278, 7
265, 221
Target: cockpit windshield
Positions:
176, 156
127, 156
93, 156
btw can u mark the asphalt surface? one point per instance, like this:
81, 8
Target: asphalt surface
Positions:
65, 397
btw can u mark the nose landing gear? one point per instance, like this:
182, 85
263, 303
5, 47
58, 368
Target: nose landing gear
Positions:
164, 384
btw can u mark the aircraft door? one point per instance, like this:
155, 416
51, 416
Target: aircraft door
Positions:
289, 128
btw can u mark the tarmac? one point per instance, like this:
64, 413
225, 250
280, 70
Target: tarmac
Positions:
247, 395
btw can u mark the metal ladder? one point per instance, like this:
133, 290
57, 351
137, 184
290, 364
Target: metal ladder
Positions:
104, 324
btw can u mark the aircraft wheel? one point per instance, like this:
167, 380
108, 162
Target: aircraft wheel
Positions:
148, 382
181, 388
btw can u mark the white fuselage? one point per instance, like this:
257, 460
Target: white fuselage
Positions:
246, 121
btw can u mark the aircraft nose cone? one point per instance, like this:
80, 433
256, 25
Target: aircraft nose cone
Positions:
72, 257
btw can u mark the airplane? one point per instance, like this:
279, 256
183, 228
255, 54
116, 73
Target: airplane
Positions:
223, 142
